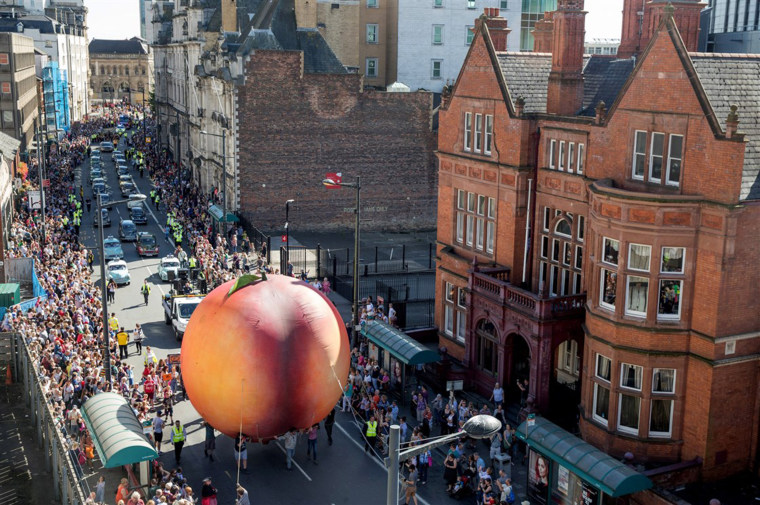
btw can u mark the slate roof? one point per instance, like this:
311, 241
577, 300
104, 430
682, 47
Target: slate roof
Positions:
42, 23
527, 75
108, 46
8, 146
734, 79
274, 27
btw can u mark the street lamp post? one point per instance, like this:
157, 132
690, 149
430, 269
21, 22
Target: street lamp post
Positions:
287, 233
480, 426
103, 292
357, 185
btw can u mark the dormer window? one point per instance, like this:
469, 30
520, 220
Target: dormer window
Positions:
657, 157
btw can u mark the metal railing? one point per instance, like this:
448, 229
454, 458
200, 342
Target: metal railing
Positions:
69, 488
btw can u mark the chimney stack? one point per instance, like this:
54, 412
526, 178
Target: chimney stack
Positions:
229, 16
497, 27
642, 17
565, 93
543, 31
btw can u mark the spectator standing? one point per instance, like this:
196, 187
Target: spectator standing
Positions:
158, 430
497, 395
208, 492
137, 336
123, 339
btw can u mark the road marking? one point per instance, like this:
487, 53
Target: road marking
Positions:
294, 461
381, 465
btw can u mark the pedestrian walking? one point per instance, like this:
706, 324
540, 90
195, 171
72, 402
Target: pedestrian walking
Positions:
158, 430
178, 439
111, 291
88, 204
329, 423
411, 485
210, 443
145, 290
291, 439
311, 447
242, 496
137, 336
241, 452
100, 490
208, 492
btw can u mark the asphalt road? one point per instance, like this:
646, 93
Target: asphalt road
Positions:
344, 475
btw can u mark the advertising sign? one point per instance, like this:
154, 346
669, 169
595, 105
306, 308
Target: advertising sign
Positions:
538, 478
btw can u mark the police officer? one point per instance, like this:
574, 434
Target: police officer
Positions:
145, 290
178, 439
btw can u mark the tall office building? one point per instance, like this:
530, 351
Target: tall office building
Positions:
532, 11
734, 26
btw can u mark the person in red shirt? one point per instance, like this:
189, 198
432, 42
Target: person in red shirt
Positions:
149, 387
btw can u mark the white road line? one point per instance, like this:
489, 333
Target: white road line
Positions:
381, 465
294, 461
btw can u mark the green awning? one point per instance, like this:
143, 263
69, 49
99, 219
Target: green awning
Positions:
398, 343
584, 460
117, 433
218, 214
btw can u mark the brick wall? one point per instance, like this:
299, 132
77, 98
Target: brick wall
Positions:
297, 127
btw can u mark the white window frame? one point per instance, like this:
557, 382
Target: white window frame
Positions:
467, 130
577, 283
670, 317
608, 380
490, 236
461, 199
470, 4
479, 234
604, 248
373, 33
372, 4
461, 298
491, 207
488, 140
630, 255
670, 160
639, 372
481, 208
683, 260
469, 34
571, 157
555, 286
437, 4
675, 378
433, 70
567, 247
547, 218
544, 251
448, 320
460, 227
598, 419
437, 33
661, 434
470, 231
578, 257
602, 303
627, 429
478, 132
639, 152
629, 311
580, 232
449, 292
367, 67
652, 156
461, 325
581, 159
561, 162
552, 152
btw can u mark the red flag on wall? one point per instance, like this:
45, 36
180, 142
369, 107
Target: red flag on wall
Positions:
333, 180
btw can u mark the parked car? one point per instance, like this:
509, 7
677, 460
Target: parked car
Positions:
98, 180
137, 215
101, 187
106, 219
123, 170
112, 249
127, 230
125, 178
146, 244
168, 264
106, 147
119, 272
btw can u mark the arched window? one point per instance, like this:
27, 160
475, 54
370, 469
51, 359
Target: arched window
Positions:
114, 70
560, 245
102, 70
124, 87
126, 70
140, 87
488, 348
107, 87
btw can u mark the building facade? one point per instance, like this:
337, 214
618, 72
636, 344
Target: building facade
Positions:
232, 77
601, 46
434, 37
597, 229
734, 26
18, 87
55, 87
120, 70
65, 44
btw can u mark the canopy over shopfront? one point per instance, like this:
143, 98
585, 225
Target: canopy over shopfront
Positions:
217, 213
588, 463
400, 346
117, 433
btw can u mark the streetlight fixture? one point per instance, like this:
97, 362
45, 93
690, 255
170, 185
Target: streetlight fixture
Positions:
223, 136
103, 293
287, 233
480, 426
357, 185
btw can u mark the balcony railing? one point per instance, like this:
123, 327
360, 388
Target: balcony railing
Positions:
495, 284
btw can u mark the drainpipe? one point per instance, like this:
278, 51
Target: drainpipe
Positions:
527, 233
530, 219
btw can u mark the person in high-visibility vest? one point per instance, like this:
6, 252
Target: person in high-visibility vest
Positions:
370, 435
123, 339
178, 439
145, 290
113, 323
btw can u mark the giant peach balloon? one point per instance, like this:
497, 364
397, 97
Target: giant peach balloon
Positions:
270, 356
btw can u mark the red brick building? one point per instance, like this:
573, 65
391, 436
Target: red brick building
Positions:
598, 221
